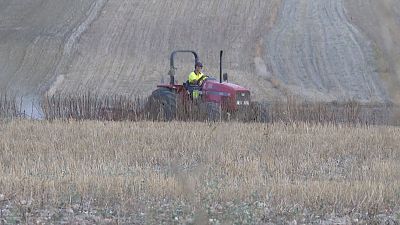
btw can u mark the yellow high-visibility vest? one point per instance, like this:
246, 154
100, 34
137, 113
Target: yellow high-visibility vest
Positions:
193, 77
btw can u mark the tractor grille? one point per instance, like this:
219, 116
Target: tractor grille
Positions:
243, 98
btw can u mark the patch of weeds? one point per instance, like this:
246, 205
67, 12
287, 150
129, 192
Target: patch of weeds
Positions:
178, 212
244, 214
74, 198
14, 216
12, 220
169, 212
57, 216
236, 212
106, 213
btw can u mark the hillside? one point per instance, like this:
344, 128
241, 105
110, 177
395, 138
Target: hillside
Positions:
319, 50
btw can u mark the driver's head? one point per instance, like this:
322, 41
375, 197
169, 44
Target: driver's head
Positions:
198, 66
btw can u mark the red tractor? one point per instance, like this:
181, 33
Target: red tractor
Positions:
212, 100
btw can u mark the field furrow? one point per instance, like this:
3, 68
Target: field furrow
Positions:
318, 50
316, 53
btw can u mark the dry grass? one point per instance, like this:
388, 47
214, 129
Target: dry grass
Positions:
136, 165
92, 106
8, 107
116, 108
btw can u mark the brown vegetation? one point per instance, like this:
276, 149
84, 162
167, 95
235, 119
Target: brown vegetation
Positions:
310, 160
96, 107
202, 168
8, 107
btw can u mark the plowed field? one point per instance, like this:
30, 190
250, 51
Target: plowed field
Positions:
329, 50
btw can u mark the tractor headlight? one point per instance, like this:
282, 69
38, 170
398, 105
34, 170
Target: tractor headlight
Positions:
246, 103
239, 102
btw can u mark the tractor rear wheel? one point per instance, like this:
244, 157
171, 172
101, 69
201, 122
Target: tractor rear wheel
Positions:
162, 105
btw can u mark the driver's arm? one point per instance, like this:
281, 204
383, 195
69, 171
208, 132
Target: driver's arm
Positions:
201, 79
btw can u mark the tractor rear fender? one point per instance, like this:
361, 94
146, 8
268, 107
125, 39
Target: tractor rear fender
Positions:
177, 88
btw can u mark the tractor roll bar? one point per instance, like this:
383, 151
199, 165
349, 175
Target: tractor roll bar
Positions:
172, 68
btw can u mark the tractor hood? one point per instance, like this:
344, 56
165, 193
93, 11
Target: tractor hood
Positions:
231, 96
214, 85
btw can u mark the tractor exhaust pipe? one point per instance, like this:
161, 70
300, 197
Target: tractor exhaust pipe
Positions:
220, 66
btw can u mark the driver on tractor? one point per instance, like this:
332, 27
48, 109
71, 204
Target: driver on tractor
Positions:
197, 77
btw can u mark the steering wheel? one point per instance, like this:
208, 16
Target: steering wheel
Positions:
202, 79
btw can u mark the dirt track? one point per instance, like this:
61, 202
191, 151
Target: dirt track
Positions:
314, 51
32, 36
380, 21
319, 50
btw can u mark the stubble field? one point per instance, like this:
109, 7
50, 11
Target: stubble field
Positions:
198, 173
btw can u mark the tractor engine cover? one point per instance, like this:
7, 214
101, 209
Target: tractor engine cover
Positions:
231, 96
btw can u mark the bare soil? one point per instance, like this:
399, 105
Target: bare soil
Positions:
318, 50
